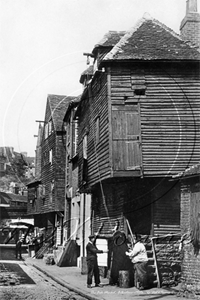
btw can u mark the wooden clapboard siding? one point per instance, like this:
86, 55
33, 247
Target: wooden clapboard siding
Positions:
59, 165
118, 198
152, 134
170, 120
169, 114
162, 230
166, 207
95, 106
53, 172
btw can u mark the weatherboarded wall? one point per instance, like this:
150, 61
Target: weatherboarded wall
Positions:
167, 95
152, 206
93, 120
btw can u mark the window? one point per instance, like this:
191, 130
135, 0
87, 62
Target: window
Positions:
85, 146
2, 167
138, 81
97, 129
36, 193
42, 191
51, 191
52, 185
68, 140
51, 156
50, 127
46, 130
74, 137
46, 158
139, 92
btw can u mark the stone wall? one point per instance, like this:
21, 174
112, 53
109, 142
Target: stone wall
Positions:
169, 259
191, 260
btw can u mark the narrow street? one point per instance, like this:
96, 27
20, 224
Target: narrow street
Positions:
19, 281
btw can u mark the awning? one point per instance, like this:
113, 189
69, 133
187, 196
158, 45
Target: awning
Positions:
18, 226
5, 199
14, 224
22, 221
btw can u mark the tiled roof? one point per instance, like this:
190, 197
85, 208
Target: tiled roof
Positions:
89, 71
34, 182
72, 104
58, 105
110, 38
6, 198
191, 171
152, 40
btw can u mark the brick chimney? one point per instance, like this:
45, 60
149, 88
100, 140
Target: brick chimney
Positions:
190, 25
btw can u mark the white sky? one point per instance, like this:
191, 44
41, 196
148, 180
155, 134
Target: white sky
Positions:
41, 52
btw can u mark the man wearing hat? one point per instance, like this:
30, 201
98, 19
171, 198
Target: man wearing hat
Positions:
92, 263
18, 248
139, 258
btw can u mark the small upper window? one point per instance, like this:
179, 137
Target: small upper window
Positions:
139, 92
51, 156
97, 129
46, 131
85, 147
74, 137
50, 127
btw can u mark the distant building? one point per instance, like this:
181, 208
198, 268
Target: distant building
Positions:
15, 163
46, 194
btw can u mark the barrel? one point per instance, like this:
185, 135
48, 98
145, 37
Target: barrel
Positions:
124, 279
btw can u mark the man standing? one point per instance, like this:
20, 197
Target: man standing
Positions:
92, 263
139, 258
19, 247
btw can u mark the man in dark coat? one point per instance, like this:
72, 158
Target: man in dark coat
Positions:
18, 248
119, 260
92, 263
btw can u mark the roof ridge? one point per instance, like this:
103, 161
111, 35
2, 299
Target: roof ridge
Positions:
108, 35
123, 40
157, 22
146, 17
176, 35
117, 31
52, 101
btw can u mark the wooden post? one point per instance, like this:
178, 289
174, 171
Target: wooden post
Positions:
129, 227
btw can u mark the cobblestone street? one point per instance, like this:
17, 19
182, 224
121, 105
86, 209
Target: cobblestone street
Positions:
19, 281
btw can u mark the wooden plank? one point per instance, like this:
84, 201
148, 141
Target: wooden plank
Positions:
132, 108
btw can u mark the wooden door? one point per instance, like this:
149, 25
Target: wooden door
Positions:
126, 138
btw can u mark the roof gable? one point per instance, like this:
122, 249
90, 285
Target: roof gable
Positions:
110, 38
58, 105
151, 40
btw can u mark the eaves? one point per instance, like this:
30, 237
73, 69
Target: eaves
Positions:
107, 63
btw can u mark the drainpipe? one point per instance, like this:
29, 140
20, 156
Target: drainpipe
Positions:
84, 224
